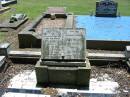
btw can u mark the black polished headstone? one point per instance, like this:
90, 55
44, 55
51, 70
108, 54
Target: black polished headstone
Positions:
106, 8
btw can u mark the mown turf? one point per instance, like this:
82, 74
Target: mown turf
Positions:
1, 36
33, 8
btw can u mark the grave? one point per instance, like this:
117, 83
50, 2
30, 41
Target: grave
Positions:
15, 21
53, 17
63, 58
110, 30
106, 8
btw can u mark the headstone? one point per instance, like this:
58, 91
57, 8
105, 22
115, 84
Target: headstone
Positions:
106, 8
63, 44
63, 57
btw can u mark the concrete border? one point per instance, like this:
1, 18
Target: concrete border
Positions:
28, 38
3, 9
14, 25
107, 45
65, 75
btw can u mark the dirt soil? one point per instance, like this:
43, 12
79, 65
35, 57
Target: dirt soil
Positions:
48, 23
118, 74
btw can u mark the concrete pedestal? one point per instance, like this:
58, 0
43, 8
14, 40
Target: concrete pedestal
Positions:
77, 76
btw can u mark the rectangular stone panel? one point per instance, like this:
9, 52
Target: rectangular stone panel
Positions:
63, 44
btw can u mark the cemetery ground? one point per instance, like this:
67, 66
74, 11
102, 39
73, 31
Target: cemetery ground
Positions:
115, 72
34, 8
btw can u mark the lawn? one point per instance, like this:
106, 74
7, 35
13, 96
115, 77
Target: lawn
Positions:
1, 36
34, 8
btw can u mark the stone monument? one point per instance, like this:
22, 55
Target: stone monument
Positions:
63, 58
106, 8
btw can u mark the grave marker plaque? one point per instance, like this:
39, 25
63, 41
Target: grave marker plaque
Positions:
106, 8
63, 44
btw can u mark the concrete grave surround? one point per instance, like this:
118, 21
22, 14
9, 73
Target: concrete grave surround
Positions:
15, 24
30, 37
56, 65
99, 35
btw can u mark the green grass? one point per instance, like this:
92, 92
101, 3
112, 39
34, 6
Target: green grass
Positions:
34, 8
2, 36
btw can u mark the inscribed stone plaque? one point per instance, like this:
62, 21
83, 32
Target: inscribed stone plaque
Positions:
106, 8
63, 44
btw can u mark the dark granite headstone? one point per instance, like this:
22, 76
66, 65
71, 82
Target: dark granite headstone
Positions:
106, 8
